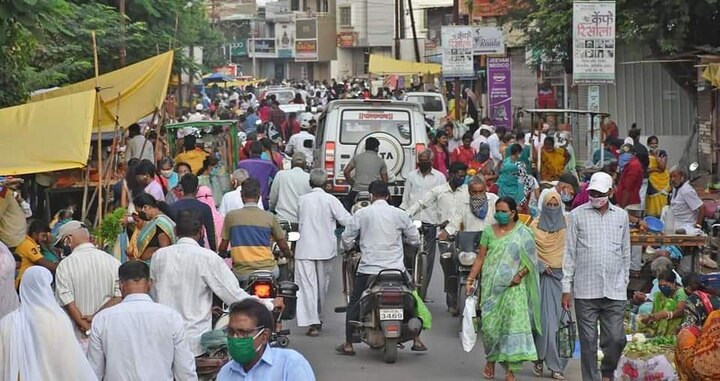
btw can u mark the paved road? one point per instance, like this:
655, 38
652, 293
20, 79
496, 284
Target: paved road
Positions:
445, 360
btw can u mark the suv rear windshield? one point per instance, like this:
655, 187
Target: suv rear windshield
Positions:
283, 97
430, 103
356, 124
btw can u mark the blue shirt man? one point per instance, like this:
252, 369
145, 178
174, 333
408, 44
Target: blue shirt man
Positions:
250, 119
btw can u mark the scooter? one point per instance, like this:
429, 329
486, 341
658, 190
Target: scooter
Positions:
387, 313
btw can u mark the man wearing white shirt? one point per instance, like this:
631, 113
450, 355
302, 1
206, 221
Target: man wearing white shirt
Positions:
484, 125
417, 185
303, 142
138, 147
318, 215
185, 276
233, 200
286, 189
494, 142
139, 339
444, 200
481, 136
85, 281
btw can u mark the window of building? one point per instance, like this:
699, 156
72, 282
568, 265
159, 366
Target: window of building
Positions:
345, 16
294, 5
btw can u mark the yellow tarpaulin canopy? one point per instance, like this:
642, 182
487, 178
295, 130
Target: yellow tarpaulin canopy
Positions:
132, 92
386, 65
49, 135
712, 74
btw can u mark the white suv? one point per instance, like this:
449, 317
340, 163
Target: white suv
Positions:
346, 124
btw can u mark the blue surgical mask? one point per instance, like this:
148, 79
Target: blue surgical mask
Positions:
666, 290
565, 197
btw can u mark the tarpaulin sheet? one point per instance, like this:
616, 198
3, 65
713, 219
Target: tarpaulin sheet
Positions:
712, 74
386, 65
132, 92
48, 135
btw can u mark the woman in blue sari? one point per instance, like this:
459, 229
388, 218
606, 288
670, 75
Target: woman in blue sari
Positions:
514, 180
509, 305
157, 231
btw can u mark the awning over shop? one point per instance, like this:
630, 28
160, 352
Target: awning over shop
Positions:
386, 65
712, 74
48, 135
132, 92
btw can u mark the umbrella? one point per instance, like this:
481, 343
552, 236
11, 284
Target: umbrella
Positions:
216, 77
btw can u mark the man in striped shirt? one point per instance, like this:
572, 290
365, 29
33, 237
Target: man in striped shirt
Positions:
87, 280
251, 230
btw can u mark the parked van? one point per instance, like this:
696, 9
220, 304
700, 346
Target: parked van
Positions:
346, 124
434, 105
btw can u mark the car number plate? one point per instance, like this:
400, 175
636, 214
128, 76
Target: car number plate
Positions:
391, 314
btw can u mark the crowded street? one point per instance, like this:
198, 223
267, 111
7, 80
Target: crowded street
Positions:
359, 190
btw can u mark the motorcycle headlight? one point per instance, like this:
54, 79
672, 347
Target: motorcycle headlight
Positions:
467, 258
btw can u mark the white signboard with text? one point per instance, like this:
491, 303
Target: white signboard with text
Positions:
457, 51
488, 40
594, 42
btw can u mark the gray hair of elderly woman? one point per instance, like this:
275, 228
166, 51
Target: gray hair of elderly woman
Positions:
318, 178
660, 265
239, 176
427, 152
477, 179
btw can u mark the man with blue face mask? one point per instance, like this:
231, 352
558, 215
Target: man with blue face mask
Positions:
566, 186
248, 339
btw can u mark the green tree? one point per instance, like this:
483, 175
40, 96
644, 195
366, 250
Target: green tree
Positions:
667, 27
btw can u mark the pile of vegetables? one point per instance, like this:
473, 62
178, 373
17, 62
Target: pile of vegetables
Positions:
110, 227
642, 347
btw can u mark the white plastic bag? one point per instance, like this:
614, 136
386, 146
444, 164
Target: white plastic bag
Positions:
468, 334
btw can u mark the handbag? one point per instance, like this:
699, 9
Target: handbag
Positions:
566, 335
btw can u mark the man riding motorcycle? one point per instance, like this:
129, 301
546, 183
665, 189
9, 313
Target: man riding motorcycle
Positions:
381, 229
467, 222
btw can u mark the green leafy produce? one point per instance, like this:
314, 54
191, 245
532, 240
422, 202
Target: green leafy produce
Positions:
110, 227
650, 347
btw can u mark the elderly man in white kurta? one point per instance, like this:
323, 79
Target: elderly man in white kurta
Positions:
318, 215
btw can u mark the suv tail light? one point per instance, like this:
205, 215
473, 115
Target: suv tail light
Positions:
330, 158
262, 290
419, 147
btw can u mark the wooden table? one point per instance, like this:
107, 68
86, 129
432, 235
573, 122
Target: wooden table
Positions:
694, 243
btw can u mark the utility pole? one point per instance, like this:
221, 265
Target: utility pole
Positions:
456, 85
397, 29
414, 32
123, 53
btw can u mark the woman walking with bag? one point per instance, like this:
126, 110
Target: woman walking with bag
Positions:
509, 291
549, 232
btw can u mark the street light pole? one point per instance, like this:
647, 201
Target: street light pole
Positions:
456, 85
252, 45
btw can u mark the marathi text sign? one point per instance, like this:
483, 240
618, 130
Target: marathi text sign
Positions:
457, 51
488, 40
263, 48
594, 42
499, 92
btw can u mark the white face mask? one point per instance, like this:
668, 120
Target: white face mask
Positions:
598, 202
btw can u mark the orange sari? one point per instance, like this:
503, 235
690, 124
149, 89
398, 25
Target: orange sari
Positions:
697, 355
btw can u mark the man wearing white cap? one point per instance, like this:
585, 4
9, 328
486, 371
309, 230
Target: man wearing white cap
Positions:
596, 271
197, 115
87, 280
302, 142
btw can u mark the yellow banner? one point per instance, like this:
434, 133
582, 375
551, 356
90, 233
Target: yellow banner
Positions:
712, 74
386, 65
131, 93
48, 135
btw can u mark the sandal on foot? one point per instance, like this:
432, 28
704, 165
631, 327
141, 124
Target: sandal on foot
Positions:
557, 375
418, 348
537, 369
489, 373
340, 349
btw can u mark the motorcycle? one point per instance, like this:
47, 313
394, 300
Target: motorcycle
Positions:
387, 313
457, 259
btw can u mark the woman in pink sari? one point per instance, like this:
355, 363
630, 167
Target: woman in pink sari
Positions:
204, 195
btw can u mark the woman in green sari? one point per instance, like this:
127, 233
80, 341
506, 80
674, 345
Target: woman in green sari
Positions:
509, 305
668, 306
514, 180
157, 231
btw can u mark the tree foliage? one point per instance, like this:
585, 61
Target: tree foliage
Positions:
45, 43
667, 27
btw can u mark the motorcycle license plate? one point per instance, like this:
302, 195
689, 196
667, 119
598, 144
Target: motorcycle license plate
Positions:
391, 314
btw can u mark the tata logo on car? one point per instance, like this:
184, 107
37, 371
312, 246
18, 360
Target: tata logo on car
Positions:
387, 155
